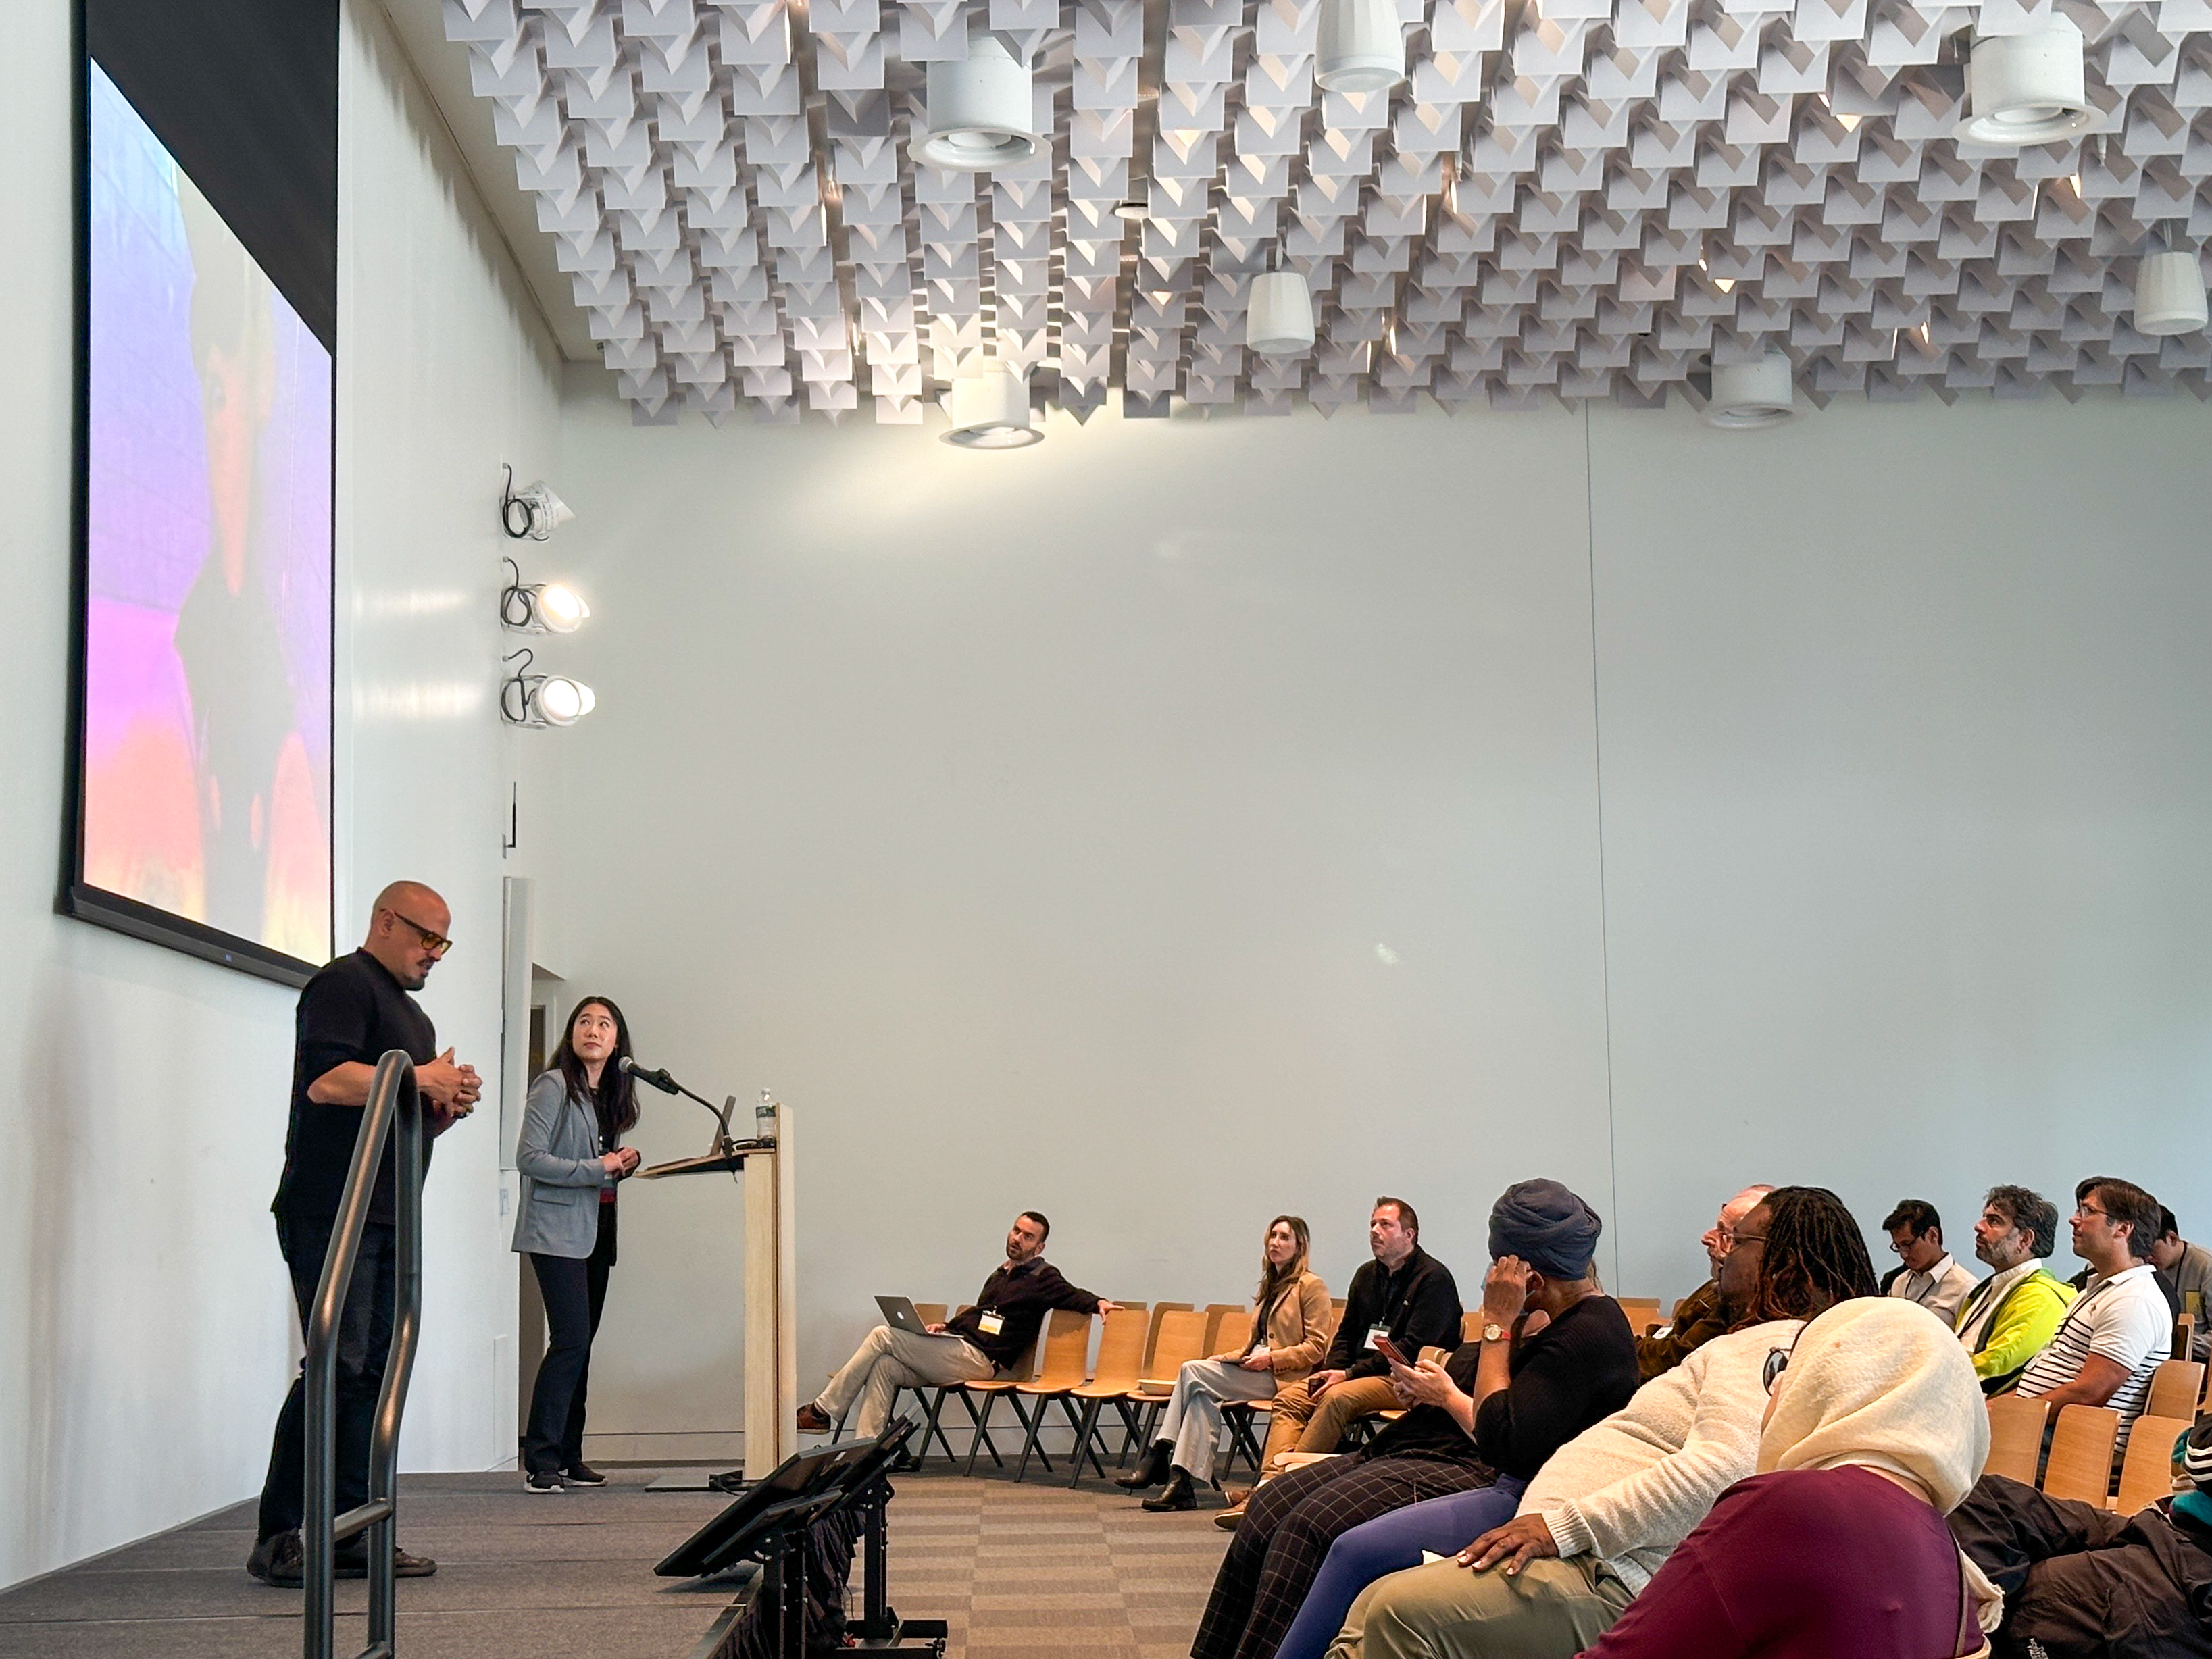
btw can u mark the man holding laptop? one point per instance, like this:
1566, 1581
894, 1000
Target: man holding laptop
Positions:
993, 1335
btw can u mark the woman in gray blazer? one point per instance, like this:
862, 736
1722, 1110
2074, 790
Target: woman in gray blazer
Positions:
570, 1155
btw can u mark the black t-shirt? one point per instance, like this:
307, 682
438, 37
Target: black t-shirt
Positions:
353, 1010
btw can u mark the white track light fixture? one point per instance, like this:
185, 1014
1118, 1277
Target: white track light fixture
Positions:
542, 700
2024, 89
1279, 321
540, 607
982, 114
990, 410
533, 511
2170, 293
1362, 47
1747, 396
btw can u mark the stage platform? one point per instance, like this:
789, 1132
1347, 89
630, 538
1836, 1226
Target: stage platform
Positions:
1016, 1571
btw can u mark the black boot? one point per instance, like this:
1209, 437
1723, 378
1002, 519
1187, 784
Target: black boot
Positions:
1179, 1494
1151, 1470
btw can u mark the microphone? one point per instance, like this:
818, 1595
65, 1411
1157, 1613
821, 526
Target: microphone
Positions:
658, 1078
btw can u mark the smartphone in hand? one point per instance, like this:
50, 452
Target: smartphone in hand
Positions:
1391, 1351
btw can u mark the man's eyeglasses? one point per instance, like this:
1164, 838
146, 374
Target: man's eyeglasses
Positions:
436, 944
1777, 1361
2081, 1210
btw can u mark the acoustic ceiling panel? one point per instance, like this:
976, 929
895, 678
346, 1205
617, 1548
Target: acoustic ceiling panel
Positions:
1566, 199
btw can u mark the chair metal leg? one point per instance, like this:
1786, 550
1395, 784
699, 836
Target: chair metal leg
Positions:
1032, 1422
1084, 1431
931, 1409
982, 1431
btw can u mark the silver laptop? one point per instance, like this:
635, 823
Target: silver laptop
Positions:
899, 1314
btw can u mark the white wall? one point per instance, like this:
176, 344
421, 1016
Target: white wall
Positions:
146, 1333
1029, 820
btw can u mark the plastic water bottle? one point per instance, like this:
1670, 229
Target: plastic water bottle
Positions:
764, 1117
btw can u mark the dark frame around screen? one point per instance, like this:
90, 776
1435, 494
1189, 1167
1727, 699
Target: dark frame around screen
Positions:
77, 897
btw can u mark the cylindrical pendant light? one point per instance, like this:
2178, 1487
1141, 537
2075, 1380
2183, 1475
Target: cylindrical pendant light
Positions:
2026, 88
1281, 320
980, 111
990, 410
1362, 47
1750, 395
2169, 293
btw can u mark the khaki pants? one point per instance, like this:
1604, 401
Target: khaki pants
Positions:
1301, 1423
1552, 1609
890, 1360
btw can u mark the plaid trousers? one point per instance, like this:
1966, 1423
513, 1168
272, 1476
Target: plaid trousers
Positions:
1284, 1537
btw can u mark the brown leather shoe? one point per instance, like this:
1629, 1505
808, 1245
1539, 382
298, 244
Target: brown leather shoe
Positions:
812, 1419
1227, 1519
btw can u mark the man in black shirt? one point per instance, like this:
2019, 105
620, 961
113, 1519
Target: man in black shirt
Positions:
994, 1335
1405, 1292
351, 1013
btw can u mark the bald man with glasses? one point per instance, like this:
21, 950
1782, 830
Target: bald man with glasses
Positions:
349, 1014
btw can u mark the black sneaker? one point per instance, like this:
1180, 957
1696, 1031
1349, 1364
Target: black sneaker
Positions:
277, 1562
583, 1474
540, 1481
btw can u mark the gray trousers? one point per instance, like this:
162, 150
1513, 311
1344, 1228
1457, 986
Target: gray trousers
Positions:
889, 1360
1192, 1422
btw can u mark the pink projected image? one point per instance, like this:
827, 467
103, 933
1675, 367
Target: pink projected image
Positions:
207, 733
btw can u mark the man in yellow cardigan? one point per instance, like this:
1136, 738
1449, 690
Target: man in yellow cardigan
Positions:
2011, 1316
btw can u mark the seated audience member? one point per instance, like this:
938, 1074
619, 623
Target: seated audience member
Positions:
2082, 1583
1290, 1327
1925, 1272
993, 1335
2010, 1316
1604, 1512
2118, 1330
1477, 1428
2184, 1274
1405, 1293
1874, 1430
1700, 1317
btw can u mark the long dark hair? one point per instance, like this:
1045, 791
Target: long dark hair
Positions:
1816, 1256
1276, 1283
616, 1096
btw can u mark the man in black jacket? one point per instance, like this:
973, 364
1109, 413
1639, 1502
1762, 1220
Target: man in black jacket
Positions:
994, 1335
1404, 1291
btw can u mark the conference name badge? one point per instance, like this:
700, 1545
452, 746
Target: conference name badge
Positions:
990, 1323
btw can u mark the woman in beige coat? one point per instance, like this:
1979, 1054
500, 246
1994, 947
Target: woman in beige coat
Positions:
1290, 1332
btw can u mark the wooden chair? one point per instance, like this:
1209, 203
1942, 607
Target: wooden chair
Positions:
2081, 1461
2175, 1387
1643, 1312
1227, 1324
1066, 1368
988, 1391
2147, 1466
2016, 1438
1113, 1383
1160, 1311
1470, 1325
1180, 1336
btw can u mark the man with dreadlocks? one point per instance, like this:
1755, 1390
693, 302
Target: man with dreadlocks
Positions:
1604, 1512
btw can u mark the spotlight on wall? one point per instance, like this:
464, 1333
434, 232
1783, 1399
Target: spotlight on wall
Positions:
1279, 321
542, 700
539, 607
1362, 47
990, 410
2025, 89
1747, 396
533, 511
2169, 293
982, 114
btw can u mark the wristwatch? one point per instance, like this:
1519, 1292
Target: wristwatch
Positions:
1493, 1331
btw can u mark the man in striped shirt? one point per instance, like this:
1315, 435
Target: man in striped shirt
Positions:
2118, 1330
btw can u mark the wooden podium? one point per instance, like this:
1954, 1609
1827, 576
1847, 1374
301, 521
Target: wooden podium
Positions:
771, 1384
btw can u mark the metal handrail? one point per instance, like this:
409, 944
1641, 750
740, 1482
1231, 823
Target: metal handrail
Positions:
392, 1097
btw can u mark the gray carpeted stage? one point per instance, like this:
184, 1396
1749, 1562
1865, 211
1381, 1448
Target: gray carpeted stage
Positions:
1016, 1571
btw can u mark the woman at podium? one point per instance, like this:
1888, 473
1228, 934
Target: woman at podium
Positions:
570, 1156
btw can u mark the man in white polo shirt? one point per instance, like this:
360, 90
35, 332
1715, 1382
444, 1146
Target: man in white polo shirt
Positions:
2119, 1328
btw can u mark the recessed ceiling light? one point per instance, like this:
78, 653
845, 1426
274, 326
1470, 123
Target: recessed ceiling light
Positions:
990, 410
980, 111
1133, 208
2025, 89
